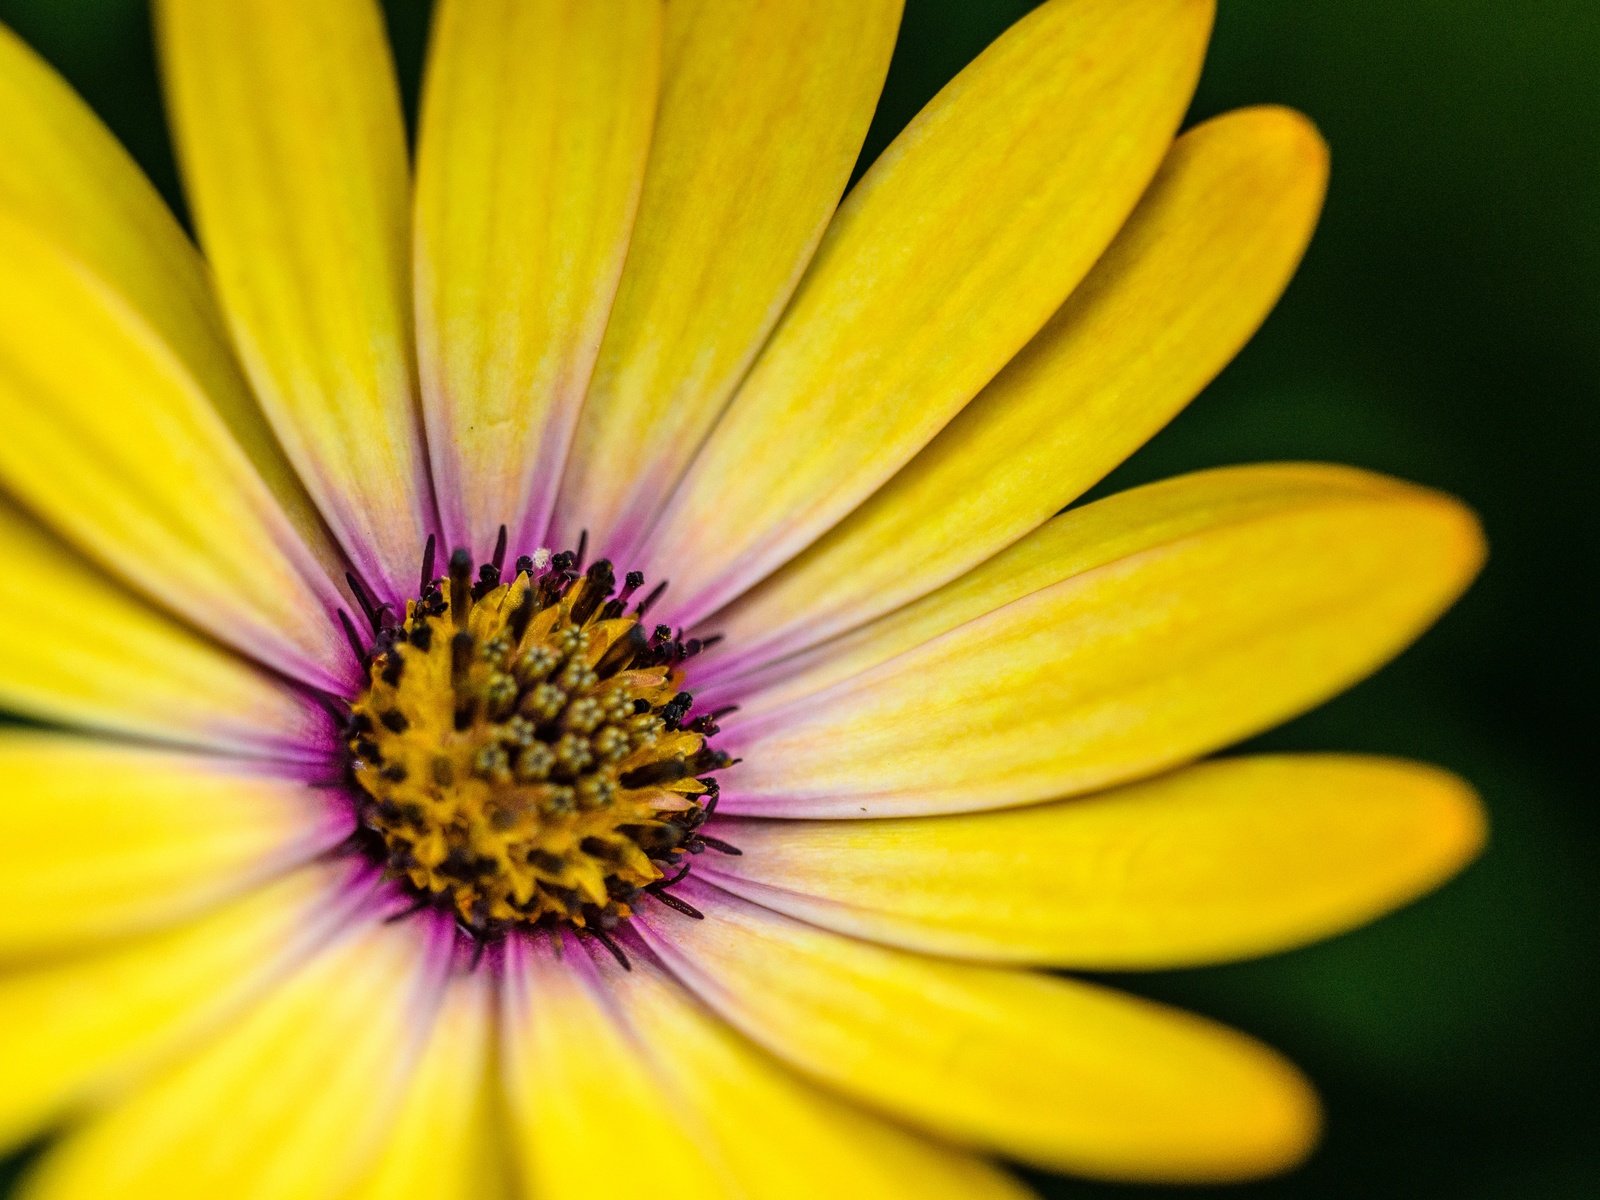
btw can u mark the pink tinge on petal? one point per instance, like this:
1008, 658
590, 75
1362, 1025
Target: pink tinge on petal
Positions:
726, 674
653, 931
370, 571
332, 810
309, 754
366, 893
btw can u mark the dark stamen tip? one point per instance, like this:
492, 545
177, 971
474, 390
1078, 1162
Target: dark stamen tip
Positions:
428, 552
606, 940
677, 904
351, 635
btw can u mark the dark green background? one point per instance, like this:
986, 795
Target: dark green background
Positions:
1445, 327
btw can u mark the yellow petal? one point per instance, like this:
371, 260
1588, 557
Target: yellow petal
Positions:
948, 256
78, 1031
1222, 860
1118, 527
1132, 635
536, 122
288, 127
777, 1136
1053, 1072
289, 1103
593, 1049
1188, 279
112, 440
576, 1084
65, 176
443, 1145
75, 646
763, 110
102, 838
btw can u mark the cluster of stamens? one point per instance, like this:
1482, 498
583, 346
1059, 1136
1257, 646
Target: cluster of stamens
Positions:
523, 753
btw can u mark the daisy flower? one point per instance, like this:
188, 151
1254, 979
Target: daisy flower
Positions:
555, 665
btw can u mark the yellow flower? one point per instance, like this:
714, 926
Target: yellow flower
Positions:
362, 871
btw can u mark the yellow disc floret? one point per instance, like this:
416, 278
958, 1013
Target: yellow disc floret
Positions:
521, 750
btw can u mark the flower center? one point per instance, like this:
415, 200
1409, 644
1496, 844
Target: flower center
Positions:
523, 751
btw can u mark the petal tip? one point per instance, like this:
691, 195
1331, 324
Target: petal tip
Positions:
1452, 825
1458, 533
1288, 1131
1289, 128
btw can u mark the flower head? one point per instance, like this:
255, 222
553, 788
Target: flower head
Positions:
568, 675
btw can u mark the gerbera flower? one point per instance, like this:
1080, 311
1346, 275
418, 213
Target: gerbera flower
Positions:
403, 835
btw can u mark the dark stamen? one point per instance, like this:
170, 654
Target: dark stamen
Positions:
373, 612
606, 940
666, 770
460, 592
674, 902
427, 564
517, 625
499, 558
650, 599
350, 634
621, 652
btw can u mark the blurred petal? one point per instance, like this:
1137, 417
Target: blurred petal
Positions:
1190, 277
288, 126
1130, 636
289, 1103
78, 1031
763, 110
1053, 1072
102, 838
443, 1145
536, 122
948, 256
77, 647
777, 1135
575, 1081
66, 177
1223, 860
594, 1048
1121, 526
113, 441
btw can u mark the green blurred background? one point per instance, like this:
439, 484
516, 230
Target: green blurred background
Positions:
1446, 328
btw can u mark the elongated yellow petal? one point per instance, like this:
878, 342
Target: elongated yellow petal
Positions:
948, 256
535, 126
574, 1080
1053, 1072
1189, 278
102, 838
1119, 527
289, 1103
443, 1145
288, 128
779, 1137
593, 1049
1218, 861
1183, 617
65, 176
76, 646
77, 1032
763, 110
112, 440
